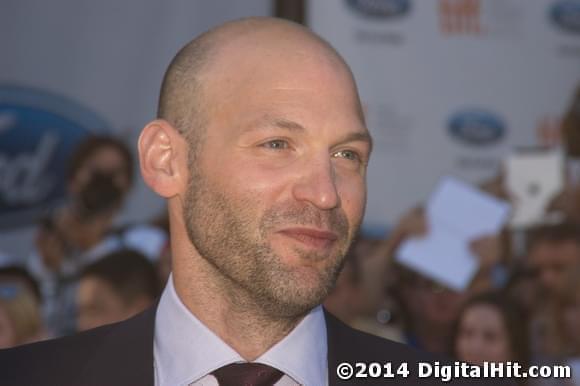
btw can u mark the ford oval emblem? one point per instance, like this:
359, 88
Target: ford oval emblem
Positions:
476, 127
38, 132
380, 9
566, 15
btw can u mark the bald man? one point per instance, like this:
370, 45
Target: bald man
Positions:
261, 150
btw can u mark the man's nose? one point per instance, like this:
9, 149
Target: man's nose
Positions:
317, 184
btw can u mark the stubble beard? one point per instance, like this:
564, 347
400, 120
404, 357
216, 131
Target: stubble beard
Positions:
227, 234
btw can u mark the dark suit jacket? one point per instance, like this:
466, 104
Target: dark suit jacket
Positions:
121, 354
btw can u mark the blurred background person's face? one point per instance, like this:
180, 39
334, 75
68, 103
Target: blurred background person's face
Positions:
482, 336
551, 261
564, 335
100, 183
7, 334
115, 287
99, 304
434, 303
571, 323
430, 311
107, 160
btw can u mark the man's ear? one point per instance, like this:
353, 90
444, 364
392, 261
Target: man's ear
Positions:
162, 156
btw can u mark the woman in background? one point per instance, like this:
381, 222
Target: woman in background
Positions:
490, 328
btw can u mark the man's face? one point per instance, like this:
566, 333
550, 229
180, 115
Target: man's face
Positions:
432, 303
551, 261
277, 189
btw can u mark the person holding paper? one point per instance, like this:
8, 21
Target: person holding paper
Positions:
457, 214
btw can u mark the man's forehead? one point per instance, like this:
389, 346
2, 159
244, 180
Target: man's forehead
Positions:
281, 67
268, 41
262, 32
284, 83
230, 58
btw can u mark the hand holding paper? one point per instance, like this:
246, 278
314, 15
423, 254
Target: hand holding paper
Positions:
457, 214
533, 179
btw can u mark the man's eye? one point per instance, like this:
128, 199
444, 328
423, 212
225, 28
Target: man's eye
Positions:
348, 154
276, 144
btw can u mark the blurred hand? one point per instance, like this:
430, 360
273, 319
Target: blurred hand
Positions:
487, 249
412, 224
567, 202
496, 187
50, 249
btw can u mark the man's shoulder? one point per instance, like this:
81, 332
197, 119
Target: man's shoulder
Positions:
116, 354
349, 343
59, 360
394, 362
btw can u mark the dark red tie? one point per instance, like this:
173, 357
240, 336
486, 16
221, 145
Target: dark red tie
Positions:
247, 374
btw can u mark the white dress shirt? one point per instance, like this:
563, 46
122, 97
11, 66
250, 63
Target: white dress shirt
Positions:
186, 351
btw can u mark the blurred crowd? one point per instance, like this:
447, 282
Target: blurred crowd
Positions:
522, 305
85, 270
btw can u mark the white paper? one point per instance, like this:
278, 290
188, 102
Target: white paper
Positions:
457, 214
533, 180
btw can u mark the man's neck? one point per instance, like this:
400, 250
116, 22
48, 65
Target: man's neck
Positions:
227, 309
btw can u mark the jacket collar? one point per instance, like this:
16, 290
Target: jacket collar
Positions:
339, 344
126, 352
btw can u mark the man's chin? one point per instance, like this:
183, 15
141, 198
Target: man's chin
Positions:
299, 294
285, 308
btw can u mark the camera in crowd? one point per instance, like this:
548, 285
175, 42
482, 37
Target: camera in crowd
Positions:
100, 195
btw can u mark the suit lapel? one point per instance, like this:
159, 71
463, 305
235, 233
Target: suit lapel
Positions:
125, 355
338, 346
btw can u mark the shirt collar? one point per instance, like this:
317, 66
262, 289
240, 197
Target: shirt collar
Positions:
302, 354
185, 349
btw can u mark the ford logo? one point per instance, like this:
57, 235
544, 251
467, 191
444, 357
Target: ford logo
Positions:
38, 132
476, 127
380, 9
566, 15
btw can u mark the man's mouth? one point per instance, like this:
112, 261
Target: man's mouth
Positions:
311, 237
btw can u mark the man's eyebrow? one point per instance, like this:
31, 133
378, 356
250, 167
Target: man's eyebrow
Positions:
268, 122
287, 124
359, 136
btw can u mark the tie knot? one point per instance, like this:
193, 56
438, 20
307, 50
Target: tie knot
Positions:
247, 374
